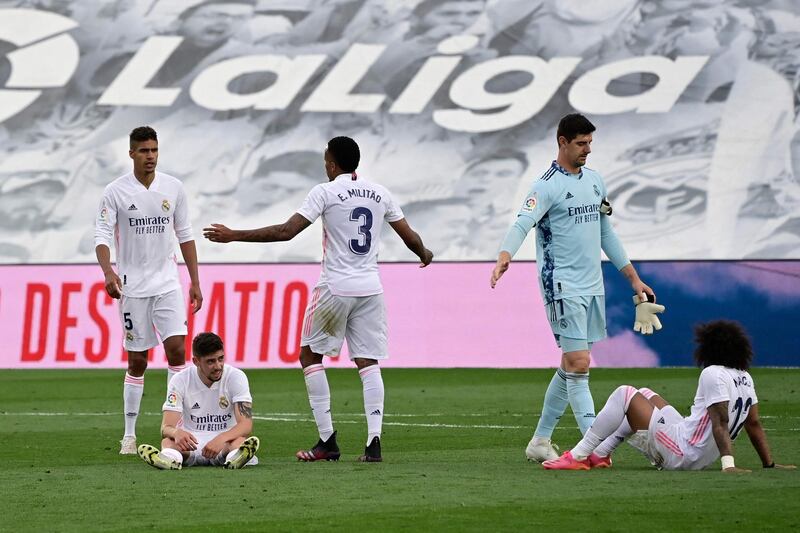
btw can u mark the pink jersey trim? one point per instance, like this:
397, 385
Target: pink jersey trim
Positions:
668, 443
700, 430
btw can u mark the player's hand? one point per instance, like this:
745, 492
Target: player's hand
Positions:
185, 441
113, 285
426, 258
503, 262
641, 289
646, 319
214, 447
195, 297
218, 233
737, 470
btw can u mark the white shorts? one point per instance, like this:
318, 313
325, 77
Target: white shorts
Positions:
142, 318
663, 442
196, 456
361, 320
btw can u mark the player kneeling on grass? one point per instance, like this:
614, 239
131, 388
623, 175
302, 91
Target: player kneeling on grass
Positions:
725, 403
208, 414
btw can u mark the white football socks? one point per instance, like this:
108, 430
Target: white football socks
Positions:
173, 454
608, 420
172, 370
319, 397
372, 383
132, 390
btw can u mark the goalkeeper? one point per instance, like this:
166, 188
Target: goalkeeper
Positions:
568, 207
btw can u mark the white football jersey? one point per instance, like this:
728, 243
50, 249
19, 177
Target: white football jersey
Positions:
207, 408
143, 224
717, 384
352, 210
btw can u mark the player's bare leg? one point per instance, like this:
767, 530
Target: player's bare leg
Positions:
319, 397
175, 350
132, 390
372, 383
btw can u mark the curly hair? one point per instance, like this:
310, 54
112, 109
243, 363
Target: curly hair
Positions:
722, 342
205, 344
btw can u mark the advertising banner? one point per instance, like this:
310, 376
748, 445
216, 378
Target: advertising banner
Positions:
445, 315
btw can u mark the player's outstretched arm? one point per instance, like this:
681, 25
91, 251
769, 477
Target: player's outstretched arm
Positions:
412, 241
278, 232
112, 281
189, 252
718, 413
754, 429
503, 262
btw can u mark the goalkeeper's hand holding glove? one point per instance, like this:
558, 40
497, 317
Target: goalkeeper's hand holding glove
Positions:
646, 319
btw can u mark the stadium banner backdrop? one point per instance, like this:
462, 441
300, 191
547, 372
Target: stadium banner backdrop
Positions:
454, 104
443, 316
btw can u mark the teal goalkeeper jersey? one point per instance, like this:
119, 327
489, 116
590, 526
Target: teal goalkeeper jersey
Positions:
570, 233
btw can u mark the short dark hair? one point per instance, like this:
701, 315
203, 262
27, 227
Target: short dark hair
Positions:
722, 342
205, 344
345, 153
572, 125
141, 134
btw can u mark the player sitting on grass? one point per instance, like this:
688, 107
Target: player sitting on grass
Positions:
208, 414
725, 403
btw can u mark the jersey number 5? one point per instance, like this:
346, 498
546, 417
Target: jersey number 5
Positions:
363, 243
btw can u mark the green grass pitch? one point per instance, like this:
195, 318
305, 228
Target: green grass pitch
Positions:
453, 447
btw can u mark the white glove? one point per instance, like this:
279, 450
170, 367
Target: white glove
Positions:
646, 318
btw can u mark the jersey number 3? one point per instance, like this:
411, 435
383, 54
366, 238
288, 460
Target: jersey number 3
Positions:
363, 243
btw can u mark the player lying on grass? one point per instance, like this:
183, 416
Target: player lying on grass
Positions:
725, 403
208, 414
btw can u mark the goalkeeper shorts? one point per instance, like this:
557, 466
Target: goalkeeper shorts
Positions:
577, 322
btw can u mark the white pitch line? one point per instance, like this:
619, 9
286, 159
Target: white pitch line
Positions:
303, 418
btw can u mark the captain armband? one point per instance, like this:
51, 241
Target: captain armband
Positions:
605, 207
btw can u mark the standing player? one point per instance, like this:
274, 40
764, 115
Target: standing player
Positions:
569, 209
208, 414
141, 213
348, 300
725, 403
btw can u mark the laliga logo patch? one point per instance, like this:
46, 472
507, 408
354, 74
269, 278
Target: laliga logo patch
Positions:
104, 214
165, 206
46, 57
172, 398
223, 402
530, 204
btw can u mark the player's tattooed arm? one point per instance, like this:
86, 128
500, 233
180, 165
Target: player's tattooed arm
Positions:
276, 233
245, 409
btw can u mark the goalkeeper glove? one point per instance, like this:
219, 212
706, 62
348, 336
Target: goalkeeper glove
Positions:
646, 318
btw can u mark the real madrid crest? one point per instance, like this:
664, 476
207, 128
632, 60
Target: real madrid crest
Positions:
223, 402
129, 336
165, 206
